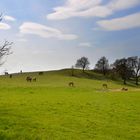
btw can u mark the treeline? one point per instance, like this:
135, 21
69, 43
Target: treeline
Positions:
124, 68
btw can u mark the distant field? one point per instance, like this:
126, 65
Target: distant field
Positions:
51, 110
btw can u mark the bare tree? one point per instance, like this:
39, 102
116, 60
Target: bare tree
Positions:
0, 17
5, 48
83, 63
102, 65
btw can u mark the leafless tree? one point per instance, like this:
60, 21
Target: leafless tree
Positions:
5, 48
102, 65
83, 63
0, 17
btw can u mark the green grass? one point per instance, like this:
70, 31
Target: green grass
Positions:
50, 110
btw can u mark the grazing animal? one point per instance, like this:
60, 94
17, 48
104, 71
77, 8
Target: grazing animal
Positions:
105, 86
28, 79
71, 84
124, 89
40, 73
10, 75
34, 79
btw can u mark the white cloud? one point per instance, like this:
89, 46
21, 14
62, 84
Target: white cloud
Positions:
122, 4
4, 26
45, 31
127, 22
85, 44
9, 18
74, 8
90, 8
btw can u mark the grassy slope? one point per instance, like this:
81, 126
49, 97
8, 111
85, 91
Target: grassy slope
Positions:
49, 109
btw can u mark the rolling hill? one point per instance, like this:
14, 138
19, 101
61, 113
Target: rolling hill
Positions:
49, 109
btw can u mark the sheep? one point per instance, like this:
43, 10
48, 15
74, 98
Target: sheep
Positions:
28, 79
71, 84
124, 89
105, 86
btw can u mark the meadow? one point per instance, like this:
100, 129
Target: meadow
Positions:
49, 109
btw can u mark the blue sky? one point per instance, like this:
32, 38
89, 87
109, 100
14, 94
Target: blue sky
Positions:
53, 34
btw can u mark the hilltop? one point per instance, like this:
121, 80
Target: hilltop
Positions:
62, 77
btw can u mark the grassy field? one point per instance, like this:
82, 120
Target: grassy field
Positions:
51, 110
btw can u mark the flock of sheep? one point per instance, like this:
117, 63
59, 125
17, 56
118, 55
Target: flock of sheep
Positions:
70, 84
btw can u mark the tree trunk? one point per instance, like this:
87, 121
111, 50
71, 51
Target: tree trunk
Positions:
83, 70
104, 72
72, 72
137, 81
124, 81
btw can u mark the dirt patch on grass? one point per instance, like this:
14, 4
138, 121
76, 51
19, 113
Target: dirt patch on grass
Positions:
115, 90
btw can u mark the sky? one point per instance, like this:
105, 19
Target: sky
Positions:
53, 34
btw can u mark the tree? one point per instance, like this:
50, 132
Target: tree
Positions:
123, 68
134, 63
102, 65
83, 63
72, 70
5, 48
0, 17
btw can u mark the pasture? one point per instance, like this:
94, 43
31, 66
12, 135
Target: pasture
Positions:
49, 109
